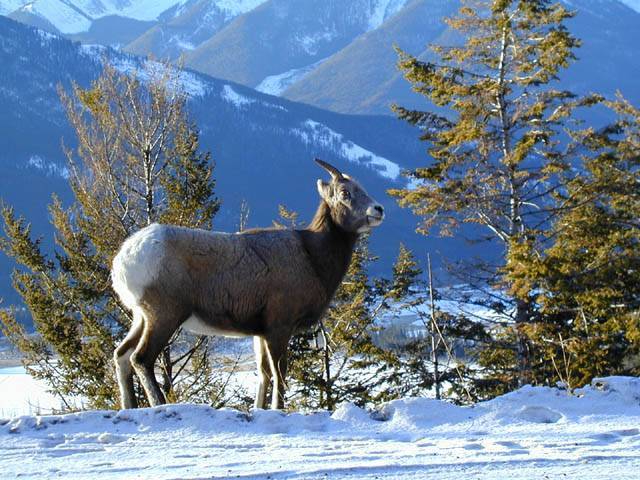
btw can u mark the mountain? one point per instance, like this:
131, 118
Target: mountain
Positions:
262, 145
189, 25
280, 36
332, 54
162, 27
355, 78
76, 16
362, 78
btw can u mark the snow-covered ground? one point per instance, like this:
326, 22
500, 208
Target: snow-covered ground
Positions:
529, 434
21, 394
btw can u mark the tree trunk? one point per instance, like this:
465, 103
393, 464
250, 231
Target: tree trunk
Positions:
167, 371
327, 369
434, 332
523, 359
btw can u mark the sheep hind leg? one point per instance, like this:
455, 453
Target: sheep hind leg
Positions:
278, 362
122, 360
264, 371
155, 336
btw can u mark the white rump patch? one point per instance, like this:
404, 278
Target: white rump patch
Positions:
137, 264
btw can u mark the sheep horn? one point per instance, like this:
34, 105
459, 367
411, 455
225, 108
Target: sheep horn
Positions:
335, 173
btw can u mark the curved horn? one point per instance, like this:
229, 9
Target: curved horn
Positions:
335, 173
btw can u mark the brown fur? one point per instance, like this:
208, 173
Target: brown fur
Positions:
267, 283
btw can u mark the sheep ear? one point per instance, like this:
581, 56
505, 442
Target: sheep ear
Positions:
323, 190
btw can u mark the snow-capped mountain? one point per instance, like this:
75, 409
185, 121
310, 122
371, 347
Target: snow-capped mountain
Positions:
281, 36
75, 16
333, 54
363, 78
184, 28
118, 22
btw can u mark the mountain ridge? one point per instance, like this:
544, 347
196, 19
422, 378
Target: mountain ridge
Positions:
332, 54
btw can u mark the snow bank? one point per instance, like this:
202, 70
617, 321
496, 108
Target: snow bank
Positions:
530, 433
21, 394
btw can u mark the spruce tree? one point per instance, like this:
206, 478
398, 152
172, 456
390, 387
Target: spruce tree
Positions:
137, 162
495, 130
589, 278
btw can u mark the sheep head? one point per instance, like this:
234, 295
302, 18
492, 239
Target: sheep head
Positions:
352, 209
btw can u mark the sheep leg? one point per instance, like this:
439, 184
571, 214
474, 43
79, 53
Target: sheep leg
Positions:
264, 371
122, 359
155, 336
278, 362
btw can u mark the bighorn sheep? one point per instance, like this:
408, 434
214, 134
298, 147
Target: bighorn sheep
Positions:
265, 283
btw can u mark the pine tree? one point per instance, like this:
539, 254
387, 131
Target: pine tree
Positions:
137, 162
589, 278
496, 136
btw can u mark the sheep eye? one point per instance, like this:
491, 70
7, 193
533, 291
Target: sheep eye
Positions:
345, 195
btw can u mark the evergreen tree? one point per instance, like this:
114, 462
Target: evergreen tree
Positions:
496, 135
137, 162
428, 358
287, 218
406, 284
589, 278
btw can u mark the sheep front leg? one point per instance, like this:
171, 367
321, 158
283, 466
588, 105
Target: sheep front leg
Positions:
264, 371
278, 361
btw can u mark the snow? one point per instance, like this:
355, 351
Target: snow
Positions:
93, 50
185, 81
321, 135
49, 168
182, 43
534, 432
233, 8
8, 6
143, 10
231, 96
383, 10
62, 16
24, 395
276, 84
311, 43
75, 16
632, 4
